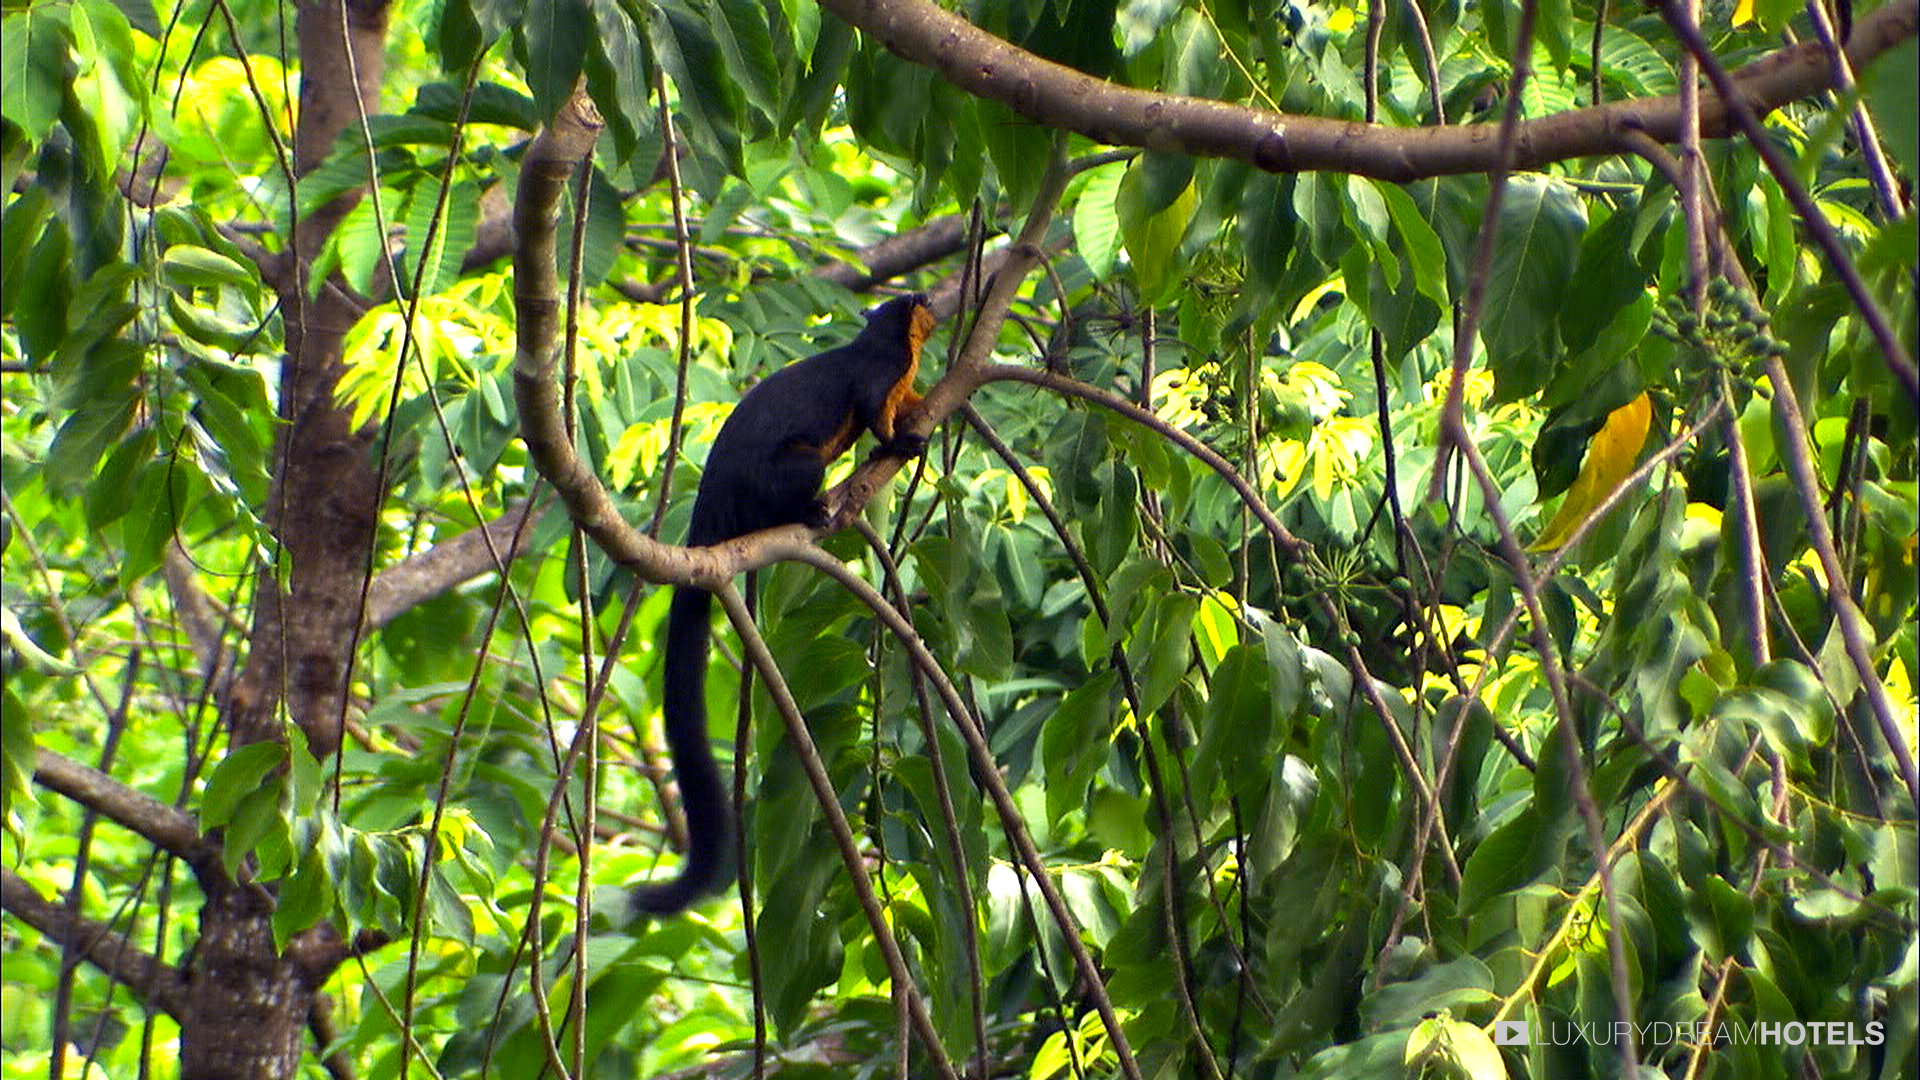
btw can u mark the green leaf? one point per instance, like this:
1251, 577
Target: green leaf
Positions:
1629, 62
1155, 202
258, 827
23, 224
1515, 854
210, 328
1402, 313
304, 898
238, 774
1364, 209
1541, 224
1609, 275
111, 492
33, 79
16, 637
745, 39
826, 62
711, 101
16, 736
555, 34
188, 266
1888, 86
1727, 914
441, 248
1443, 1046
810, 947
1096, 220
1238, 734
89, 430
1419, 243
1268, 224
1075, 742
1160, 656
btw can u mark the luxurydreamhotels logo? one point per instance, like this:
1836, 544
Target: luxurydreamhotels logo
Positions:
1661, 1033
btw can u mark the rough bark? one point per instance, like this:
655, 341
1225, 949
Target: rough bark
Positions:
248, 1004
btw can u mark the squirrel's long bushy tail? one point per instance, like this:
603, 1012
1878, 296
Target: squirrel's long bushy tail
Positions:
703, 795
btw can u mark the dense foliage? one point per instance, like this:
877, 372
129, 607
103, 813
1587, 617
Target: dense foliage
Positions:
1448, 562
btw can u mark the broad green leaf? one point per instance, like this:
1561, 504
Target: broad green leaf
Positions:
1419, 244
1075, 743
1889, 91
1161, 655
746, 40
440, 246
556, 34
1237, 733
1444, 1046
1608, 275
35, 41
304, 898
111, 491
1515, 854
1364, 209
1155, 202
714, 111
1541, 223
826, 63
188, 266
1268, 224
1096, 220
89, 431
237, 774
1627, 59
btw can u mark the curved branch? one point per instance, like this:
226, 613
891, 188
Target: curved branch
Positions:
1058, 96
159, 983
551, 159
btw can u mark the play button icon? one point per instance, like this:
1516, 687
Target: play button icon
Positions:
1510, 1033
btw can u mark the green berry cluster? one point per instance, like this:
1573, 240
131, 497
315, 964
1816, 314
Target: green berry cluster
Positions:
1733, 327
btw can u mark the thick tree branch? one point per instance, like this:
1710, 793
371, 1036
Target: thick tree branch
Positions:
171, 830
1058, 96
157, 982
447, 564
888, 259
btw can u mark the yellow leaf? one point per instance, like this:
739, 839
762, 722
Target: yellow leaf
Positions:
1743, 12
1610, 457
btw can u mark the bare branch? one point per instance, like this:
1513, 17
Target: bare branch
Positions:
440, 568
159, 983
172, 830
888, 259
1058, 96
801, 740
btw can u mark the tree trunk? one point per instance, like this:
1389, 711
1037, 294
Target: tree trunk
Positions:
249, 1003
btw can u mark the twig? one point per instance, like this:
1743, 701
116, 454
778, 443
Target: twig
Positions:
987, 773
755, 648
683, 268
1550, 666
1853, 633
1891, 350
